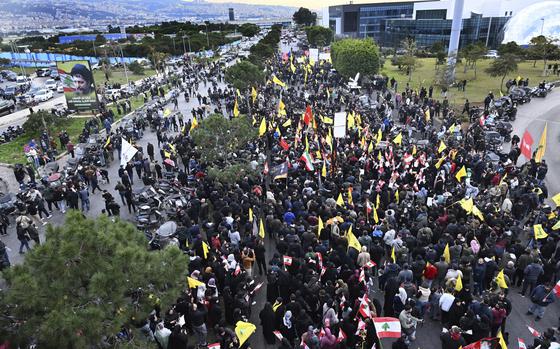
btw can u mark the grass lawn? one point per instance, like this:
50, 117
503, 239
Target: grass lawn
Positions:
118, 76
12, 152
476, 89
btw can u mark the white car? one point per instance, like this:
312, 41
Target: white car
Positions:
42, 95
60, 88
50, 84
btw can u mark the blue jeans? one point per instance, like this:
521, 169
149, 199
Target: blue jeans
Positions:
23, 243
537, 310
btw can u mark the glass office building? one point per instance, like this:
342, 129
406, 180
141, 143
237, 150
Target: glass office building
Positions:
390, 23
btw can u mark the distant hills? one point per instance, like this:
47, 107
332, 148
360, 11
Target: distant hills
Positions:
149, 10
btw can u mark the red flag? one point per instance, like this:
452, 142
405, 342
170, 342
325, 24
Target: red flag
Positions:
521, 343
556, 289
341, 336
526, 144
284, 144
362, 277
534, 332
308, 115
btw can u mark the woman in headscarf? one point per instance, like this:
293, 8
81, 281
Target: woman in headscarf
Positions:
267, 322
287, 327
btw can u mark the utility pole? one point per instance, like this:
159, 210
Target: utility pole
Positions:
124, 64
184, 49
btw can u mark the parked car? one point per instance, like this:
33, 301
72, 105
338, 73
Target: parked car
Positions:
9, 75
42, 95
42, 72
113, 93
7, 106
492, 54
23, 82
10, 91
60, 88
54, 74
27, 97
51, 84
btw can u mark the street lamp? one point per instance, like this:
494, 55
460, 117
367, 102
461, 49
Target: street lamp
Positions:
207, 40
189, 41
542, 26
124, 64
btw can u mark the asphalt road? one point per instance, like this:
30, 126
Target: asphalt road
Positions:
532, 116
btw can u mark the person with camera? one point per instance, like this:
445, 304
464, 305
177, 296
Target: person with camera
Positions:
408, 324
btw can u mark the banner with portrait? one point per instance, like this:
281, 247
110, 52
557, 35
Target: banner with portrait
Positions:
78, 83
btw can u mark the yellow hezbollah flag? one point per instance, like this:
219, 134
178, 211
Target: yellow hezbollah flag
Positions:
447, 254
244, 330
353, 241
339, 200
320, 227
375, 216
476, 212
250, 214
276, 305
193, 283
398, 139
379, 135
324, 169
440, 161
253, 94
262, 127
556, 226
287, 123
281, 105
167, 112
261, 229
442, 147
542, 145
393, 255
501, 340
539, 232
461, 173
350, 201
194, 124
501, 280
459, 284
205, 249
556, 199
235, 109
278, 81
467, 204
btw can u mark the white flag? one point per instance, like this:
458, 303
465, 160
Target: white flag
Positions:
127, 152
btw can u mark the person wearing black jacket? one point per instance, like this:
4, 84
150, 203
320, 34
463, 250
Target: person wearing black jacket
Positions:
178, 338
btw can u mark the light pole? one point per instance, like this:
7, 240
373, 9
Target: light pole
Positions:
207, 40
94, 51
124, 64
542, 26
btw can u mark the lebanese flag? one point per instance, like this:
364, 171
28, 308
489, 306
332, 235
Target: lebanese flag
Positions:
308, 159
342, 301
521, 343
556, 289
278, 335
526, 144
237, 270
287, 260
364, 307
534, 332
214, 346
483, 343
341, 336
361, 327
362, 277
323, 270
319, 258
258, 287
370, 264
308, 115
387, 327
284, 144
408, 158
369, 209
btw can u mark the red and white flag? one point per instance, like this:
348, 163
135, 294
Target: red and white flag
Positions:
361, 327
370, 264
342, 301
308, 160
341, 336
319, 258
556, 289
278, 334
387, 327
534, 332
362, 277
322, 333
214, 346
237, 270
521, 343
287, 260
258, 287
369, 209
266, 169
364, 307
323, 270
526, 145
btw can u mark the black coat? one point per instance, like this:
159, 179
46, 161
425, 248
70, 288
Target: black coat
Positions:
268, 320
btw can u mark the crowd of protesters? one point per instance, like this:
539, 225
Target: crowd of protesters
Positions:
402, 217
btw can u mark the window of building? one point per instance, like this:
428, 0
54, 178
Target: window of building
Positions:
431, 14
350, 21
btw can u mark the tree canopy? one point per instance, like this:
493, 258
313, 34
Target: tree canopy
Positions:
352, 56
319, 36
87, 280
249, 29
304, 16
511, 48
244, 74
502, 66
